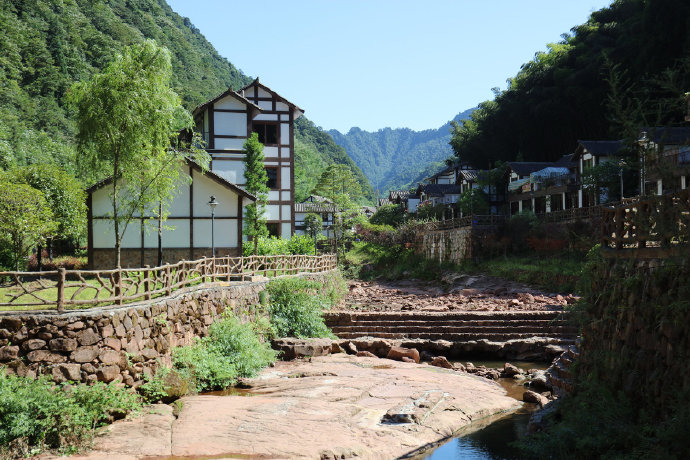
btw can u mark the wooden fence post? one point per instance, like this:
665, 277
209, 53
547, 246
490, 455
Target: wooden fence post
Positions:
147, 282
168, 280
61, 290
118, 285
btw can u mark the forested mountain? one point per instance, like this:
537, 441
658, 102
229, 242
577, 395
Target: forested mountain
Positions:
396, 158
314, 151
626, 67
48, 44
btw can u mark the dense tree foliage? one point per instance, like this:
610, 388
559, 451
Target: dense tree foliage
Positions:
25, 220
392, 158
48, 45
127, 118
609, 74
63, 192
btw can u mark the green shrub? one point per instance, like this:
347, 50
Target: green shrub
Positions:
36, 414
273, 245
231, 350
295, 308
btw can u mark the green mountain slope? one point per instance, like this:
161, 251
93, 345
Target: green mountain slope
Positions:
627, 66
394, 158
48, 44
314, 151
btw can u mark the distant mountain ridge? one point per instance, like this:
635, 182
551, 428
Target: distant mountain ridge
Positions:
398, 158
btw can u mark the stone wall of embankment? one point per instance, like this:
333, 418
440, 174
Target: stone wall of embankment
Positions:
119, 342
635, 336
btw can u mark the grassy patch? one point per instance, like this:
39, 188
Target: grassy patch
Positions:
558, 272
37, 415
367, 261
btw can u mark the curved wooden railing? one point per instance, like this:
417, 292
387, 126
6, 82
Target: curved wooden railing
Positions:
62, 288
654, 222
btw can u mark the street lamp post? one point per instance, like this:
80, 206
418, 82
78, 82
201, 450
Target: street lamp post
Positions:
643, 142
621, 165
212, 204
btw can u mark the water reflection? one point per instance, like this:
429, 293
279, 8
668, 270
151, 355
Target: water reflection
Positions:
493, 441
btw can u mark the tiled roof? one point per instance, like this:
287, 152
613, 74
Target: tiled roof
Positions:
398, 194
439, 189
670, 135
602, 148
384, 201
525, 168
469, 175
314, 207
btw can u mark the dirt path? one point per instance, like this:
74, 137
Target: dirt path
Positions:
455, 292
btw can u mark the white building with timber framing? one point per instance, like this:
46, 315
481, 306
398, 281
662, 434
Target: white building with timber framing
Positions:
225, 123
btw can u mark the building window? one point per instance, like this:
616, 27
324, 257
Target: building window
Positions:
268, 132
273, 228
272, 173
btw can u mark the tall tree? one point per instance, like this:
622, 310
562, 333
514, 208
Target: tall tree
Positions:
127, 116
25, 219
339, 184
256, 180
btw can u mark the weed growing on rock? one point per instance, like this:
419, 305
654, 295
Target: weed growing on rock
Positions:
231, 350
296, 306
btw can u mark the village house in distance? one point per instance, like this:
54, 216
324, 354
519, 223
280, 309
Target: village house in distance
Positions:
224, 123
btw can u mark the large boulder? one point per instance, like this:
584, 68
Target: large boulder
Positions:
398, 353
293, 348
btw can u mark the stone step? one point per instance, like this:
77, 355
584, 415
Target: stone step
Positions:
564, 330
451, 337
517, 322
444, 316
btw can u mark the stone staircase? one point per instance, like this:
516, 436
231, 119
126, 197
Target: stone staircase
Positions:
453, 326
559, 375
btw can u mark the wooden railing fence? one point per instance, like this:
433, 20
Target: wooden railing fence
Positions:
62, 288
654, 222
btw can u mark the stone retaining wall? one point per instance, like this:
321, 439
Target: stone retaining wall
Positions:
109, 343
453, 245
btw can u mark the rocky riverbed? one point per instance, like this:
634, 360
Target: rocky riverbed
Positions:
336, 406
457, 292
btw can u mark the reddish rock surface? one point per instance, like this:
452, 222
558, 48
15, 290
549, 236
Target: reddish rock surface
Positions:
460, 293
336, 406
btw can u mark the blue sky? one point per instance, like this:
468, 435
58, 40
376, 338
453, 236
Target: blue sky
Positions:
383, 63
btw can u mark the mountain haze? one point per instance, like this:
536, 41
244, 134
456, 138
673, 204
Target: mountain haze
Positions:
398, 158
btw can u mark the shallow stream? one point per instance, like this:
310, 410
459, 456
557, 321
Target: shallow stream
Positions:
493, 441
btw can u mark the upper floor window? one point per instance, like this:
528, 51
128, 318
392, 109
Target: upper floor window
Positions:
272, 173
268, 132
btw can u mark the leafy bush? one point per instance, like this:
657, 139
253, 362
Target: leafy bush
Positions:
36, 414
295, 308
272, 245
66, 262
389, 214
231, 350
